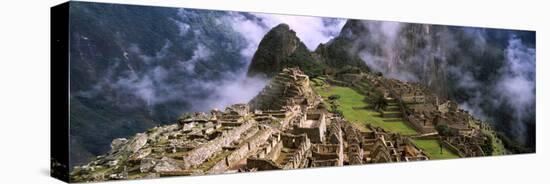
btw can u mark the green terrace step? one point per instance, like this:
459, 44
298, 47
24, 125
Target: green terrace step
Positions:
361, 88
393, 108
363, 85
393, 104
392, 120
337, 82
391, 114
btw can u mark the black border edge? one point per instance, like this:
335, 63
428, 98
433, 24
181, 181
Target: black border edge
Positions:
59, 91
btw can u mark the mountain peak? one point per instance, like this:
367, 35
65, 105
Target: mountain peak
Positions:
282, 26
278, 44
281, 48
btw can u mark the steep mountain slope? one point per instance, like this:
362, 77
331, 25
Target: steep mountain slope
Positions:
281, 48
338, 52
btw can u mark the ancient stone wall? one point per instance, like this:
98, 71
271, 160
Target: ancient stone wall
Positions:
198, 155
302, 145
250, 146
271, 148
465, 146
380, 155
246, 146
275, 151
335, 157
355, 154
326, 163
415, 123
245, 149
453, 149
262, 164
324, 156
316, 134
414, 99
334, 133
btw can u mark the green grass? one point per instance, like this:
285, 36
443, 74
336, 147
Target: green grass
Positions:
432, 149
352, 105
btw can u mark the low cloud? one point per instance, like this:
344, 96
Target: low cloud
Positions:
201, 53
231, 90
516, 87
251, 30
311, 30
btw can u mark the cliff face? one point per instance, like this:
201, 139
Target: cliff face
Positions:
281, 48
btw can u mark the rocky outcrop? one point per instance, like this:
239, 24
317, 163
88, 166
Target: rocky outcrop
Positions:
136, 143
166, 165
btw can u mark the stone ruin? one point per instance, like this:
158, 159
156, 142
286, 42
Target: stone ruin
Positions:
313, 124
285, 151
424, 110
391, 147
283, 127
465, 146
420, 108
290, 87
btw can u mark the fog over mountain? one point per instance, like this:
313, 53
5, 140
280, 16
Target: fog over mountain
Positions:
134, 67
